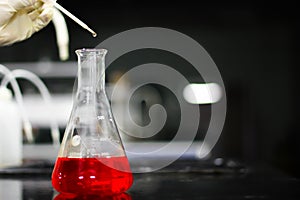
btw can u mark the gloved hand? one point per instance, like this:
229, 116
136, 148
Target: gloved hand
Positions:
19, 19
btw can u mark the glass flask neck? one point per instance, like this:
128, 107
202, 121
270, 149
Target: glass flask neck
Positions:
91, 70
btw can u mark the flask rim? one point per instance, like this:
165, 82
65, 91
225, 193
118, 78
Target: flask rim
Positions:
84, 51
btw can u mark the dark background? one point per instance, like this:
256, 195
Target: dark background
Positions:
255, 45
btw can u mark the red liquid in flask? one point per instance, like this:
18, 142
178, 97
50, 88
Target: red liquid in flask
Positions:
105, 176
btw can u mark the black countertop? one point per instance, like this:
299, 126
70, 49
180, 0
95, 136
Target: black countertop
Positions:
181, 180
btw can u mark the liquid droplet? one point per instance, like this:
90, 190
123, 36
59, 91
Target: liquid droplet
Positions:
94, 34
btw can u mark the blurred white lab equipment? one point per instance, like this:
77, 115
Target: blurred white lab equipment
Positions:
11, 130
12, 114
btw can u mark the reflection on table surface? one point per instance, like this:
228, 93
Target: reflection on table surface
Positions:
123, 196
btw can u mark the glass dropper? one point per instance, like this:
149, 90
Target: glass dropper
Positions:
75, 19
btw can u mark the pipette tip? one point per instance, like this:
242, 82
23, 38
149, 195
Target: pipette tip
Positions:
94, 34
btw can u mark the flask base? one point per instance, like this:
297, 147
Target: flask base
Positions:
107, 176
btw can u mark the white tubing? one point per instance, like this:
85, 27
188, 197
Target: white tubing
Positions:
62, 35
20, 73
18, 96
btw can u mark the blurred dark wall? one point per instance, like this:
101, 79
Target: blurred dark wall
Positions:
255, 45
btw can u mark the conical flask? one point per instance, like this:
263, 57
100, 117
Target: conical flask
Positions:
91, 158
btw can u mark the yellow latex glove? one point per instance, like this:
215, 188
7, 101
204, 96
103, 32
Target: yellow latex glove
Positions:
19, 19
